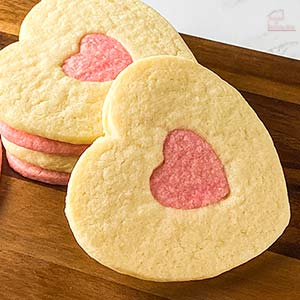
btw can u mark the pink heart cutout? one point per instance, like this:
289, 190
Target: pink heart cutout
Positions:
101, 58
191, 176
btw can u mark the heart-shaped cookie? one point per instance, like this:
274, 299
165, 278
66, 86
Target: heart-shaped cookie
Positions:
154, 106
52, 91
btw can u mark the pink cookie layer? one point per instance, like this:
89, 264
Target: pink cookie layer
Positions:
40, 144
101, 58
191, 176
37, 173
0, 156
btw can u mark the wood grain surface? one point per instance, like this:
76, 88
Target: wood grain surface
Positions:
39, 258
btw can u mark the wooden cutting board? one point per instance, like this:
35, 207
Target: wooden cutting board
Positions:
39, 258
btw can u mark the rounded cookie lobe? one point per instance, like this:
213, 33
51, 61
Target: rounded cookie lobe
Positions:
111, 209
137, 26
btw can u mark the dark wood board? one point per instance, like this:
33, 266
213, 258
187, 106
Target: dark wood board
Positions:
39, 258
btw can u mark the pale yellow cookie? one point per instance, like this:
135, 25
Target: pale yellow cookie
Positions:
39, 98
111, 207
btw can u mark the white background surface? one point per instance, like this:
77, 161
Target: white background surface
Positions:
266, 25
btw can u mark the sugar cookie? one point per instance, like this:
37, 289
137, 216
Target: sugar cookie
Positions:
240, 204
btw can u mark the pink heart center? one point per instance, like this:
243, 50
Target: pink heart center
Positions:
191, 175
101, 58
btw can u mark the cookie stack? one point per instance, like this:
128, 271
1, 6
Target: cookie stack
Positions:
54, 81
183, 181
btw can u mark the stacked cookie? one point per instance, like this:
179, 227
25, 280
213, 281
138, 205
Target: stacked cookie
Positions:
54, 81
